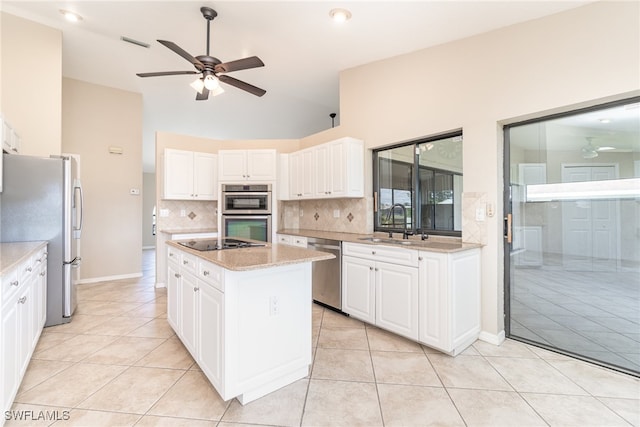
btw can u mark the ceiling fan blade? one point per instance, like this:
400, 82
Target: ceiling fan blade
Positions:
204, 95
242, 85
165, 73
240, 64
180, 51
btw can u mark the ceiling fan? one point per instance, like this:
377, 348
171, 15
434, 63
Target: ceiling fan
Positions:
212, 70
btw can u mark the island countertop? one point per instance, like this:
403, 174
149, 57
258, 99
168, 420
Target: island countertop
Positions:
255, 258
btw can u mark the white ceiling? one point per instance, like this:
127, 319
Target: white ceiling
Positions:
303, 51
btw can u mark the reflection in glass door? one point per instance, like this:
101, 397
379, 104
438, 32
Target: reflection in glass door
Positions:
572, 257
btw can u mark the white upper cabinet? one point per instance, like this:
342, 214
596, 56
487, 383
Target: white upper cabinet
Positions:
247, 165
10, 139
301, 170
331, 170
190, 175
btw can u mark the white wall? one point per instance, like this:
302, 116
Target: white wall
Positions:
95, 118
572, 59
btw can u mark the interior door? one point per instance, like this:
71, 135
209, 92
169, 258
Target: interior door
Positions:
589, 226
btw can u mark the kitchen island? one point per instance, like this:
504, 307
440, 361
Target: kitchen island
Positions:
243, 314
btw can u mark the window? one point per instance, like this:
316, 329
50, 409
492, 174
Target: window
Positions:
418, 186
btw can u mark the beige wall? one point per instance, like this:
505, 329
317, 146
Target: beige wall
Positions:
575, 58
31, 84
95, 118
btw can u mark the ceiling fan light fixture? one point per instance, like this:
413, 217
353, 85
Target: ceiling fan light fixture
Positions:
211, 82
198, 85
340, 15
216, 91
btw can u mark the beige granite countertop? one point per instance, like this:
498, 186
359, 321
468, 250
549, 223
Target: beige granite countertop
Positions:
433, 243
12, 254
255, 258
188, 230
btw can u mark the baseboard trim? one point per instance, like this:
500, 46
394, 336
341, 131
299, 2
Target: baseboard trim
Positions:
495, 339
144, 248
109, 278
161, 285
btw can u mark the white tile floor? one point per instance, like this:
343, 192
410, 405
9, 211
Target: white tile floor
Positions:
119, 364
595, 314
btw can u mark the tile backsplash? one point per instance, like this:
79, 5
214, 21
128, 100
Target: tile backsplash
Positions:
198, 214
473, 231
340, 215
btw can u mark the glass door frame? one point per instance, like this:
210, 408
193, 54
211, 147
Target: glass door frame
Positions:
508, 224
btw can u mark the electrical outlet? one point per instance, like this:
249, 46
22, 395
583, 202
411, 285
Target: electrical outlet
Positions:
336, 213
301, 212
274, 308
480, 213
134, 191
183, 212
164, 212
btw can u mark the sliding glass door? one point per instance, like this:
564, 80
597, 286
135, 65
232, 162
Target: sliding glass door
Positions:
572, 251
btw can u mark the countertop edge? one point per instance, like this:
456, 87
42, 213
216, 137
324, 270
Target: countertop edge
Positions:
13, 253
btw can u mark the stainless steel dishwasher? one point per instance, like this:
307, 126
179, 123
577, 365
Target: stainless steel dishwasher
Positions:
327, 275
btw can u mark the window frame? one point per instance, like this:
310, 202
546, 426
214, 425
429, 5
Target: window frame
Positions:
415, 186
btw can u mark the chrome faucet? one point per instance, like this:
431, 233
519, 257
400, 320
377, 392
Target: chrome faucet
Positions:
405, 233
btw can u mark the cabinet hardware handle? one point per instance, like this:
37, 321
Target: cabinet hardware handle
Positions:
177, 275
22, 300
373, 252
206, 273
42, 273
14, 283
39, 260
29, 269
196, 289
185, 262
370, 268
419, 258
376, 269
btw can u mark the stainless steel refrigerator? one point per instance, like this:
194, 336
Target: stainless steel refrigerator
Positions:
41, 199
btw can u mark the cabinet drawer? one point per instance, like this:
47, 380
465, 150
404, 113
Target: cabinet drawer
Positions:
174, 255
382, 253
284, 239
211, 274
10, 283
189, 263
300, 241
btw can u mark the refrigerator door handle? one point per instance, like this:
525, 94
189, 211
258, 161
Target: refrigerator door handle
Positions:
78, 229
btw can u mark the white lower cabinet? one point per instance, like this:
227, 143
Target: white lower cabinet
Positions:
23, 302
429, 297
379, 292
249, 331
449, 299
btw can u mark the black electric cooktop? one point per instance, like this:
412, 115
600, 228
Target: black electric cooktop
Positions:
218, 244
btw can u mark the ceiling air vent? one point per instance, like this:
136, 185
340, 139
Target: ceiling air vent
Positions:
133, 41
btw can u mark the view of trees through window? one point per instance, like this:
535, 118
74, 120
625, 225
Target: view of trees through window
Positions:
419, 186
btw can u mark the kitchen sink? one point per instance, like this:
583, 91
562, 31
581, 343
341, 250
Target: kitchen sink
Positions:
391, 241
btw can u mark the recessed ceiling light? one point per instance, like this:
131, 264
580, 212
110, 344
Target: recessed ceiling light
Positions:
340, 15
605, 120
70, 16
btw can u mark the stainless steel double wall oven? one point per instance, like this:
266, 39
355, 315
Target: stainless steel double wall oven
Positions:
246, 211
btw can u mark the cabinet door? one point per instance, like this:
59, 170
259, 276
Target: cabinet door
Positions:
358, 291
26, 330
205, 176
434, 301
178, 174
233, 165
323, 171
397, 299
10, 350
261, 165
210, 327
173, 302
188, 312
338, 163
295, 186
41, 290
306, 174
